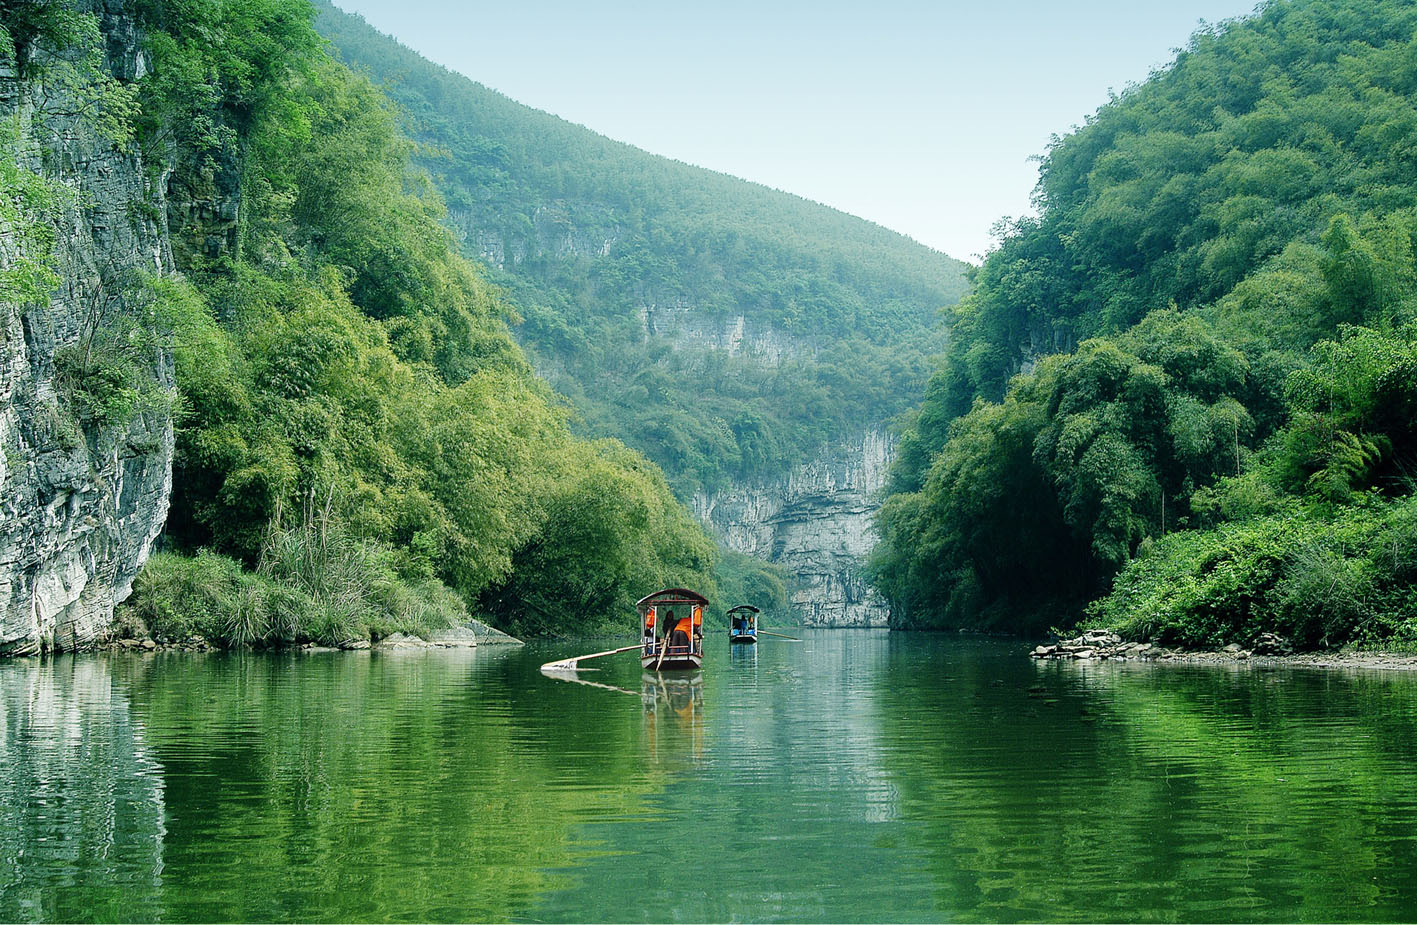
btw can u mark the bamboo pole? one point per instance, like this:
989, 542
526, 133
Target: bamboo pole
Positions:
569, 664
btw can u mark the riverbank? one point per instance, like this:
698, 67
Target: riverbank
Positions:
467, 635
1268, 651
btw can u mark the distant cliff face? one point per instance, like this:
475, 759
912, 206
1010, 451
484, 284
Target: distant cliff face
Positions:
715, 325
81, 500
817, 523
738, 335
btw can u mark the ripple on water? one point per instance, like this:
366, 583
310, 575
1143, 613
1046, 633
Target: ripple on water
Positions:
855, 776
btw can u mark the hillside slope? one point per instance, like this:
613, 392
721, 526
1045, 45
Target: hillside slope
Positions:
805, 324
1195, 363
750, 342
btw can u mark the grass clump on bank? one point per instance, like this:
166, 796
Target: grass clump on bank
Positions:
314, 583
1322, 579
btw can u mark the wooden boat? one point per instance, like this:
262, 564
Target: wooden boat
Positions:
743, 625
672, 630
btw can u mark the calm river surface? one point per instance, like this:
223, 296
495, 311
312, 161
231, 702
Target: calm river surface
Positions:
856, 776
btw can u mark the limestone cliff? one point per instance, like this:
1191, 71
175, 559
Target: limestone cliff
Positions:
817, 524
817, 521
82, 496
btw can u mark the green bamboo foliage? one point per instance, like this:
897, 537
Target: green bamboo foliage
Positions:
364, 448
1202, 341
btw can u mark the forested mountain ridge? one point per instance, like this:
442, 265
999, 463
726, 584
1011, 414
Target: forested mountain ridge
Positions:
800, 326
1182, 391
216, 223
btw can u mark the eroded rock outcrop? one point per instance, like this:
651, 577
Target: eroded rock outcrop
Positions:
817, 523
82, 496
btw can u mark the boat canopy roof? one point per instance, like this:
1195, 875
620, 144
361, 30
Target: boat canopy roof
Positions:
671, 596
745, 607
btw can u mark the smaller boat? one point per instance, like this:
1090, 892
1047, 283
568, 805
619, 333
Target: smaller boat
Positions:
743, 625
672, 630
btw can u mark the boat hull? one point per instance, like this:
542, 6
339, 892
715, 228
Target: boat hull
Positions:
672, 663
743, 640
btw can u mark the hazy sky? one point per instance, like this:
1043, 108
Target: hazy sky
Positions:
920, 116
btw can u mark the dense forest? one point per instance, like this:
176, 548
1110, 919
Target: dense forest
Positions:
362, 447
1180, 400
625, 268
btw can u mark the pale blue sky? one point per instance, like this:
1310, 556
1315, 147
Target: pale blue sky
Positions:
919, 116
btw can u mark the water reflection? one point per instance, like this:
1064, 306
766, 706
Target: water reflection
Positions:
574, 676
674, 715
1118, 791
783, 812
855, 776
740, 656
358, 788
81, 797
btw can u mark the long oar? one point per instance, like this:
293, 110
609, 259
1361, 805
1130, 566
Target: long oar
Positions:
779, 635
664, 649
569, 664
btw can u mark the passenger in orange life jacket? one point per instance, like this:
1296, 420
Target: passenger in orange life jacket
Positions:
673, 634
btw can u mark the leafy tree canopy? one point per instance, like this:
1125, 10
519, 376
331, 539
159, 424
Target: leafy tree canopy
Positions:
359, 430
631, 272
1206, 329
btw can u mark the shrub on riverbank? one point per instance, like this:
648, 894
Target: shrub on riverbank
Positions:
1321, 578
313, 584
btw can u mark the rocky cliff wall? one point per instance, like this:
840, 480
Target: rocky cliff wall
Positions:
817, 524
817, 521
81, 499
737, 335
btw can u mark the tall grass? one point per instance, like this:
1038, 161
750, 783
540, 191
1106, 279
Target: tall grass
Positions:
315, 581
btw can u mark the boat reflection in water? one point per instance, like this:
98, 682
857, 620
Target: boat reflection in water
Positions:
673, 713
569, 674
743, 656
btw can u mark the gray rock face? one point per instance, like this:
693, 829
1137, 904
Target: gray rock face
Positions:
738, 335
80, 502
817, 524
490, 636
555, 230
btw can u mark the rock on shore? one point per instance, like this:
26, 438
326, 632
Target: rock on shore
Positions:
1267, 650
1105, 644
1099, 644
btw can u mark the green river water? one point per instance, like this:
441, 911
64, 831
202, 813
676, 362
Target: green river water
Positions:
855, 776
